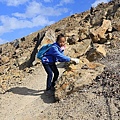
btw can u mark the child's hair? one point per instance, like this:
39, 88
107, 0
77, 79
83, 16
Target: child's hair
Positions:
59, 36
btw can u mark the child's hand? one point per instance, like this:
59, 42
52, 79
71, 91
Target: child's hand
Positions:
76, 60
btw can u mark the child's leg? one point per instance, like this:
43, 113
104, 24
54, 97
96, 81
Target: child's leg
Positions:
56, 73
49, 75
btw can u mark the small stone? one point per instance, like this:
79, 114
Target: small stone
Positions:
101, 49
23, 39
5, 59
108, 43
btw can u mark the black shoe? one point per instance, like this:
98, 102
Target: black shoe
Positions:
53, 88
49, 93
53, 84
48, 89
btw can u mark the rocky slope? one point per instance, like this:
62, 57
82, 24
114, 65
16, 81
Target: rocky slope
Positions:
89, 90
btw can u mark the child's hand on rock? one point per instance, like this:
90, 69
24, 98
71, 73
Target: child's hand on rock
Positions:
76, 60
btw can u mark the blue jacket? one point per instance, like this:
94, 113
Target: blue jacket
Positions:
55, 54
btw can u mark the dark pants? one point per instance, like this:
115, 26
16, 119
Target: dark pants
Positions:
50, 69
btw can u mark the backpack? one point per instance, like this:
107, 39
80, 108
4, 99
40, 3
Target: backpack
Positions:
43, 50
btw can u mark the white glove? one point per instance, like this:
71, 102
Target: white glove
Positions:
76, 60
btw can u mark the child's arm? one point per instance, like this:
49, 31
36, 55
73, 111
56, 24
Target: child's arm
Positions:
60, 56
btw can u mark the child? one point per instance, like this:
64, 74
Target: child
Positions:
53, 55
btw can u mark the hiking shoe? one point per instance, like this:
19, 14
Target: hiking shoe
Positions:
53, 88
49, 92
48, 89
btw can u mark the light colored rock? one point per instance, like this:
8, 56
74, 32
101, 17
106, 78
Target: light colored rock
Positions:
109, 36
49, 37
99, 33
83, 36
5, 59
101, 50
2, 68
108, 43
2, 91
4, 84
78, 49
22, 60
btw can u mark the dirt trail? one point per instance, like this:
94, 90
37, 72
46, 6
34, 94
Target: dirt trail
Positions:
27, 101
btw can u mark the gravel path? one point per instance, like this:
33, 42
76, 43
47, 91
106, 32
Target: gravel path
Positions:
27, 101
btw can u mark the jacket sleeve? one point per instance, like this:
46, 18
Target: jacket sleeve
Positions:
58, 55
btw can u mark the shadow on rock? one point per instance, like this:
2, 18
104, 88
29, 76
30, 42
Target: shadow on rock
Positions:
25, 91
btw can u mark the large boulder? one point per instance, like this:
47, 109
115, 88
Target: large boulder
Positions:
98, 35
76, 76
86, 48
96, 53
78, 49
49, 37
